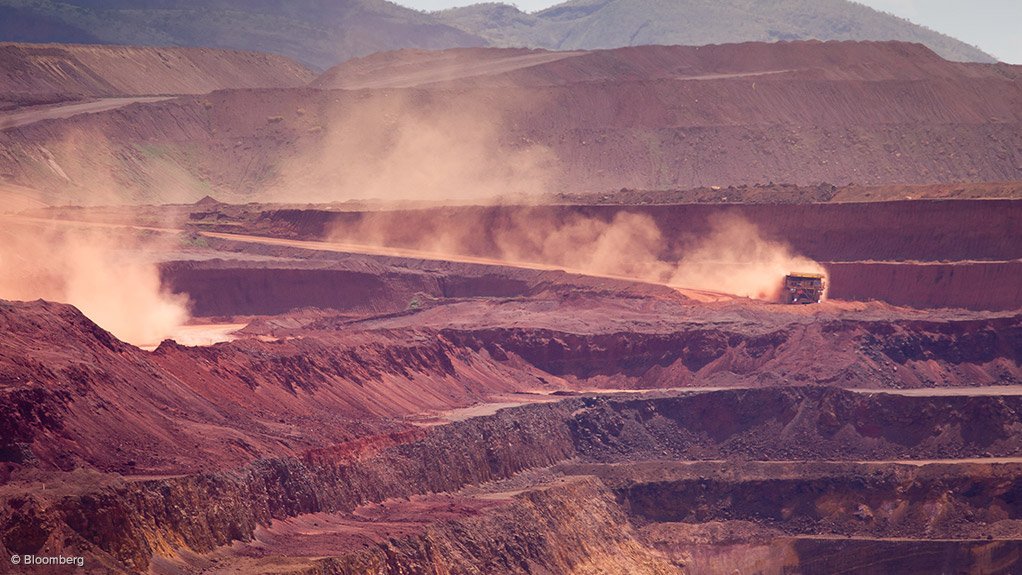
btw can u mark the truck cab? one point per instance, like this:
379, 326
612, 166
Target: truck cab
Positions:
803, 288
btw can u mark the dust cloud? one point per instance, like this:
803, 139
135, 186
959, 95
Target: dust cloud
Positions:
412, 146
733, 257
626, 246
102, 273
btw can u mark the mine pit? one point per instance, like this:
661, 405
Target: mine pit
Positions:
510, 311
367, 407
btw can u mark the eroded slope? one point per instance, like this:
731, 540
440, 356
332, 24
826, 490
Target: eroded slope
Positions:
645, 118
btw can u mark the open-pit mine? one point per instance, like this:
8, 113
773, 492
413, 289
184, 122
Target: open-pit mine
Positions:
491, 311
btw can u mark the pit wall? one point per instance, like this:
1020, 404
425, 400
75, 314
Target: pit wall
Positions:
254, 290
873, 250
922, 230
367, 285
571, 528
861, 354
823, 557
824, 517
907, 502
130, 523
227, 291
969, 285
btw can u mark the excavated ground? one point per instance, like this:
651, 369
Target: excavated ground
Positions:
393, 414
383, 408
770, 479
919, 253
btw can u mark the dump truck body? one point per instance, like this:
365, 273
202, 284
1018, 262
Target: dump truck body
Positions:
803, 288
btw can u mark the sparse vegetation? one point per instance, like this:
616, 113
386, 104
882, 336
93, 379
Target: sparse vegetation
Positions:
195, 240
152, 150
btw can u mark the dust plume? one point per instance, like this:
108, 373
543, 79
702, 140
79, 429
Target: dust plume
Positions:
401, 146
732, 257
628, 245
100, 272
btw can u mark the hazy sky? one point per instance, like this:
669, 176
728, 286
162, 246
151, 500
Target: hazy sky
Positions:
993, 25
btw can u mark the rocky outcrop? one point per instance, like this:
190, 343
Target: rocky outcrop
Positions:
201, 512
574, 528
183, 409
967, 501
860, 353
90, 400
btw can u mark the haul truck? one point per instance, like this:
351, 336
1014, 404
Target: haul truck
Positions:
803, 288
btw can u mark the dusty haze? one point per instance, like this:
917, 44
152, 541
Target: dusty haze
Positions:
101, 272
397, 145
733, 258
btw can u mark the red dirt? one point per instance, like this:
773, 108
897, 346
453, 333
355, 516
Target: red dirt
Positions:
864, 113
33, 114
392, 412
183, 409
953, 230
970, 285
953, 253
44, 72
508, 457
792, 194
321, 534
330, 380
365, 285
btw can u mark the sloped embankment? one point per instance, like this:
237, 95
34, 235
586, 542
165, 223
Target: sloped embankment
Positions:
639, 118
885, 251
154, 516
38, 72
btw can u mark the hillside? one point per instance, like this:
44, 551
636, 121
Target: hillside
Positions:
592, 24
321, 34
485, 122
316, 32
829, 61
33, 73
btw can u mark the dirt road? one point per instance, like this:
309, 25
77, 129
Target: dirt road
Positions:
997, 390
39, 113
698, 295
443, 68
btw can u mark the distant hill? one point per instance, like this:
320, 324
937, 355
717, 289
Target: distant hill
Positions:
592, 24
321, 33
